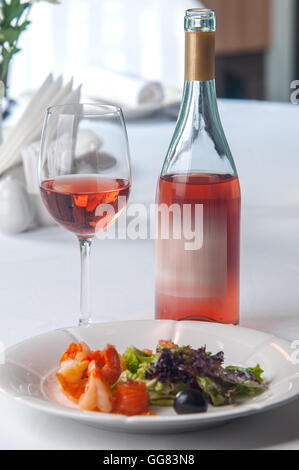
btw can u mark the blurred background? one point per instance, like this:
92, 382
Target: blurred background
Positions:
256, 43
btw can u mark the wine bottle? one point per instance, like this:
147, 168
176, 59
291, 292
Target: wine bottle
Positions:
198, 197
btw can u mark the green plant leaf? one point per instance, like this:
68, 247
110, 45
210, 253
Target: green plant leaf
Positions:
11, 34
12, 11
6, 57
11, 27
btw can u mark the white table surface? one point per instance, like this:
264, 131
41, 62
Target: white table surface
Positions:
39, 280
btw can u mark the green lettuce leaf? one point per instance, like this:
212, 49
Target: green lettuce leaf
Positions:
131, 360
212, 390
257, 372
134, 357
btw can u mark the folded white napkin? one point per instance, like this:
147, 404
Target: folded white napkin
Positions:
29, 127
86, 139
119, 89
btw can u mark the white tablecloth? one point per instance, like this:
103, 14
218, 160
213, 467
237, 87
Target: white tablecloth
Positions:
39, 288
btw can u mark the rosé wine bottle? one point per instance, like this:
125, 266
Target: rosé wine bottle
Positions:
198, 196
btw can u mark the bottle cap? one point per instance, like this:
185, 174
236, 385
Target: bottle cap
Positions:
200, 19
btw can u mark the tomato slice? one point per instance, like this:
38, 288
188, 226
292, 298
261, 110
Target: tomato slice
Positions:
147, 351
167, 343
131, 398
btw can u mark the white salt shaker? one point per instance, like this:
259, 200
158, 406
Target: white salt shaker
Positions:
16, 213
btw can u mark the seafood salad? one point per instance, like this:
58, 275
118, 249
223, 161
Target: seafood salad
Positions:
187, 379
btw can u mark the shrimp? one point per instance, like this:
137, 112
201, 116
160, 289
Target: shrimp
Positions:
98, 357
85, 376
97, 394
112, 368
72, 377
73, 370
107, 359
79, 351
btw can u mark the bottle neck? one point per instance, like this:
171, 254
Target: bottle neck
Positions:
199, 55
199, 122
199, 109
198, 143
199, 101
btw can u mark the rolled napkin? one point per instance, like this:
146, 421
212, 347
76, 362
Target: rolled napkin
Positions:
120, 89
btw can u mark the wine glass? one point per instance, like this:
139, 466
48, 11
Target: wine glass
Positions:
84, 175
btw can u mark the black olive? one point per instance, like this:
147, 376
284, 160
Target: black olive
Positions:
190, 401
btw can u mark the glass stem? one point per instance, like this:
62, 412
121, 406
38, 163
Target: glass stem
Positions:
85, 304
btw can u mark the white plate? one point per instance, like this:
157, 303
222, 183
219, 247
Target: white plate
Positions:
27, 374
